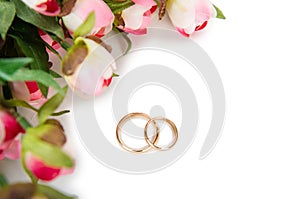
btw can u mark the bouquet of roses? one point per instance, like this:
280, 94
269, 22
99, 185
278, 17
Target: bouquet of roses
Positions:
71, 30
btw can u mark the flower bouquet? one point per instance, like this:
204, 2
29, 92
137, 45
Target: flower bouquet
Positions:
33, 30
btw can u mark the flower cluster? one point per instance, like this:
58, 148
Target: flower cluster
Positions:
32, 31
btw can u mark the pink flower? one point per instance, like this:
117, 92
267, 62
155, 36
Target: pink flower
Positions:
137, 17
27, 91
45, 7
84, 74
82, 9
43, 171
9, 131
43, 151
189, 16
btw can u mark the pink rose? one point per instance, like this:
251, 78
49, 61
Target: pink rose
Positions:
27, 91
82, 9
45, 7
83, 75
9, 131
43, 171
137, 17
189, 16
52, 137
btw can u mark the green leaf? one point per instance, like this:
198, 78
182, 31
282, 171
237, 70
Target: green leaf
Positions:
55, 74
86, 27
7, 15
220, 14
11, 65
48, 153
115, 75
31, 45
51, 193
19, 103
7, 48
118, 6
39, 76
3, 182
60, 113
50, 106
43, 22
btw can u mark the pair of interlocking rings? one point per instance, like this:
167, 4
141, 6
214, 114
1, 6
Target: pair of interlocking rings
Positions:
151, 142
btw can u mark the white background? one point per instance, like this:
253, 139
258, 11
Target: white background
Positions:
256, 51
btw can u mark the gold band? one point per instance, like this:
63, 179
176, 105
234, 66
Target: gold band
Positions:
171, 125
119, 130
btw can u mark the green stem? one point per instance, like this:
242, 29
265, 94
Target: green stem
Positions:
3, 181
65, 45
22, 121
25, 124
34, 180
52, 193
53, 50
124, 35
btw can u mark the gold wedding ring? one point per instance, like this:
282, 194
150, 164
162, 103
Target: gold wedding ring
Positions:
119, 130
151, 142
171, 125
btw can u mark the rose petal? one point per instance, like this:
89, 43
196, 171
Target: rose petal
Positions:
33, 88
136, 32
1, 155
11, 126
189, 16
48, 7
182, 31
39, 169
99, 87
19, 91
133, 16
14, 150
204, 11
107, 82
182, 13
145, 3
82, 9
49, 41
2, 132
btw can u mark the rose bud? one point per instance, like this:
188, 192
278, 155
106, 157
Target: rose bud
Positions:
9, 130
43, 171
189, 16
136, 18
88, 67
82, 9
50, 135
28, 91
45, 7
